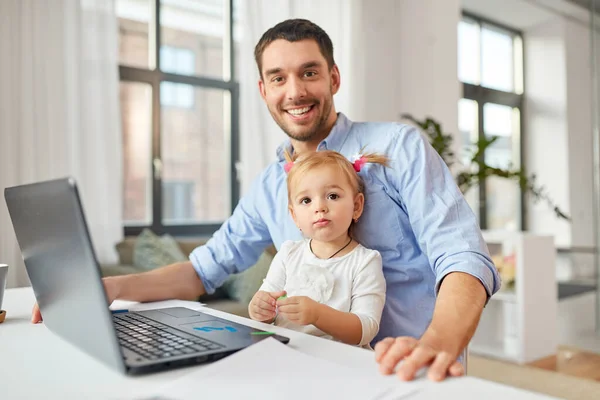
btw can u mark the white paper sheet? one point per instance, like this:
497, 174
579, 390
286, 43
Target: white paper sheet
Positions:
135, 306
270, 370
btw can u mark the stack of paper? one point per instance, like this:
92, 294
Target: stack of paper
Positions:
271, 370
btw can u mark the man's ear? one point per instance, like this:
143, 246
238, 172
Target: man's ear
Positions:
335, 79
359, 204
261, 89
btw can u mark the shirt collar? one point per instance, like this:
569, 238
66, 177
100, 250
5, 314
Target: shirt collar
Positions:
333, 141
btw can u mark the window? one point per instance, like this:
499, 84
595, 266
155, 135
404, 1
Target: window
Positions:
177, 61
490, 67
179, 114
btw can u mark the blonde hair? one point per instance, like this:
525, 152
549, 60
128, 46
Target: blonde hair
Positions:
301, 164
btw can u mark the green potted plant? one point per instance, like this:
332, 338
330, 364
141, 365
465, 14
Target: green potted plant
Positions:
478, 170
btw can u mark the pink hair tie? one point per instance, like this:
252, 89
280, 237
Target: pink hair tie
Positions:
288, 165
359, 163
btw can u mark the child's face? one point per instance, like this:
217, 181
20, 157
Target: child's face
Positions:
323, 204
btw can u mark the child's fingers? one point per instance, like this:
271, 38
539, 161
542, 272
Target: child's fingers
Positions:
286, 301
276, 295
266, 297
260, 312
292, 316
264, 304
289, 308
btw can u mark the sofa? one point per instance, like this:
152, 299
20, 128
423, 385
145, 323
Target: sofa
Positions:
148, 251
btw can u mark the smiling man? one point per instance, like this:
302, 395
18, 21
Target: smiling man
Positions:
438, 272
301, 104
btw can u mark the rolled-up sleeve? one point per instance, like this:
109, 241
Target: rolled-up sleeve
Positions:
237, 244
444, 225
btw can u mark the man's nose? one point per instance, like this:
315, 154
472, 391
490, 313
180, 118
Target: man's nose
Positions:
296, 89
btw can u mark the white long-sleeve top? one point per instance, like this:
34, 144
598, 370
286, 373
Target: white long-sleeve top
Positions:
352, 283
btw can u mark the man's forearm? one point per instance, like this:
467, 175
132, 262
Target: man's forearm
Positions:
175, 281
343, 326
458, 308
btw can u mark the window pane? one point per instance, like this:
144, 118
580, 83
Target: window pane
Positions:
176, 95
497, 60
133, 32
195, 153
468, 52
503, 197
518, 68
136, 111
468, 123
192, 34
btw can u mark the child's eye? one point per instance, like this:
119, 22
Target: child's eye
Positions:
333, 196
305, 201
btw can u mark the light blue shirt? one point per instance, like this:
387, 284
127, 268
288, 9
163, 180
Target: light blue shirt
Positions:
414, 215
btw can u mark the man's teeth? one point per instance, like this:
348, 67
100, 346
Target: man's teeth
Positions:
299, 111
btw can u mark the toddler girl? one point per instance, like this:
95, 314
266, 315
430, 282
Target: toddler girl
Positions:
327, 284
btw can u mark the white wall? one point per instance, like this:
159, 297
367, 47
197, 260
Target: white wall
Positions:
579, 128
411, 57
559, 127
546, 130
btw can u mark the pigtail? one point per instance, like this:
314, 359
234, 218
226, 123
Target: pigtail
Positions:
359, 160
289, 160
373, 158
288, 156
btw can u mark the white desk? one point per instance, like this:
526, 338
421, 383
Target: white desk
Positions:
36, 364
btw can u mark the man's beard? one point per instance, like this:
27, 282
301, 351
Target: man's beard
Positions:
314, 132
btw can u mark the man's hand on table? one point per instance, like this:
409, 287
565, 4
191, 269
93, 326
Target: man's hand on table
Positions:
416, 354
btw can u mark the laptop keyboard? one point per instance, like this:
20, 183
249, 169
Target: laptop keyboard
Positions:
154, 340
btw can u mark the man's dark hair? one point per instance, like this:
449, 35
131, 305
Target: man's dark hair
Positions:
294, 30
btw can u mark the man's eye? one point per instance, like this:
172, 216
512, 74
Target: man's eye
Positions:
310, 74
305, 200
333, 196
277, 79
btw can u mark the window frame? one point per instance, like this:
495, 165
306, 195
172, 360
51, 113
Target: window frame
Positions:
154, 76
483, 95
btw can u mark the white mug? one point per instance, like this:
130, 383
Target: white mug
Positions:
3, 278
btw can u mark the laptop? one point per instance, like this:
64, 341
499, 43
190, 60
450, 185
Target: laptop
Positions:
50, 226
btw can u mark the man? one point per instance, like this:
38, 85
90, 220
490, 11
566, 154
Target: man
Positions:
414, 215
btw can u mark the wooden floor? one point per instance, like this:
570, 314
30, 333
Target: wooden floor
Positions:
572, 361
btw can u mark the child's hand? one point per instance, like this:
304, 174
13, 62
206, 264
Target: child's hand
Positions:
301, 310
262, 305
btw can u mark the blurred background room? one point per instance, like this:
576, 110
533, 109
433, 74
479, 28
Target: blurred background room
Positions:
153, 106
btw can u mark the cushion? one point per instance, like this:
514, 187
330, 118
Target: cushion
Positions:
151, 251
189, 245
125, 250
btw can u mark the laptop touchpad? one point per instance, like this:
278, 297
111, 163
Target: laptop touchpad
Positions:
179, 312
